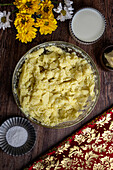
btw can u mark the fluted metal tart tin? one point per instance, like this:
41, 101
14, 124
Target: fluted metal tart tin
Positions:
20, 148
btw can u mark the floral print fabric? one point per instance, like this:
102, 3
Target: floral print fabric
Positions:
90, 148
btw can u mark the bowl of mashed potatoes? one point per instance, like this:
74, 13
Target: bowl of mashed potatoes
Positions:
56, 84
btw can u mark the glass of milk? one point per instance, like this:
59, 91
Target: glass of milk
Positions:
87, 25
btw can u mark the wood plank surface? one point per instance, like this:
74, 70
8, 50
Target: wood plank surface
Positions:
11, 50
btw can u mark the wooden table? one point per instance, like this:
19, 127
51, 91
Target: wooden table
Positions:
11, 50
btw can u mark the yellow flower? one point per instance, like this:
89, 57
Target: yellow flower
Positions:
27, 6
46, 25
23, 21
46, 9
27, 35
24, 25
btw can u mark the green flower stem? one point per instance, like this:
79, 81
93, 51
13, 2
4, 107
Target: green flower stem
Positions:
14, 11
55, 2
5, 4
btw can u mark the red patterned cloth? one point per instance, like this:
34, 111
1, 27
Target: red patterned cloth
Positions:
90, 148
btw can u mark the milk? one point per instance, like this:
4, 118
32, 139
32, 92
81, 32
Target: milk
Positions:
88, 24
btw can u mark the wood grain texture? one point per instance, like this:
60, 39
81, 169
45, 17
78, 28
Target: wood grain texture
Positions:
11, 50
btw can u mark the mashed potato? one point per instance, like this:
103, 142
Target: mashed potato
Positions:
55, 85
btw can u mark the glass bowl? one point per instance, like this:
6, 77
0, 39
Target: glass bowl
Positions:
68, 48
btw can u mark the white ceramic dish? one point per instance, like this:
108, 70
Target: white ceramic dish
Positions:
87, 25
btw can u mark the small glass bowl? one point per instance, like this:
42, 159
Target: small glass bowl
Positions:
103, 60
5, 142
77, 36
68, 48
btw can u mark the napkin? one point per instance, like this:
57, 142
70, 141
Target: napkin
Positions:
89, 148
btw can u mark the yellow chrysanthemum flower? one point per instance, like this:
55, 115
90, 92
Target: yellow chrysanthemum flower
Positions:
27, 6
46, 9
24, 25
27, 35
23, 22
46, 25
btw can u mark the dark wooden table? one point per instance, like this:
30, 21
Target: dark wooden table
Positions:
11, 50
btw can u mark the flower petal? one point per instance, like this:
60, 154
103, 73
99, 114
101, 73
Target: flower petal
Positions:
59, 8
68, 2
61, 18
